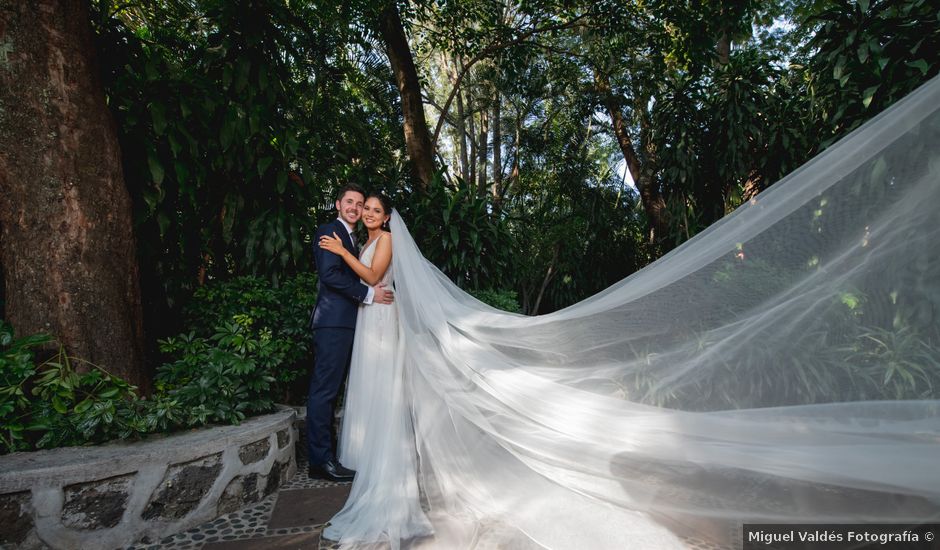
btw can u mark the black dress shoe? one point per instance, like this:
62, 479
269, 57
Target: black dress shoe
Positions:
331, 470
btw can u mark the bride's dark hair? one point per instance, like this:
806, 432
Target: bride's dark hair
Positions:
386, 205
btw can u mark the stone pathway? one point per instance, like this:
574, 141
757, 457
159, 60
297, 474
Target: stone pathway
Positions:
290, 519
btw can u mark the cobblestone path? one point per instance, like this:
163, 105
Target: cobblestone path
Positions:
290, 519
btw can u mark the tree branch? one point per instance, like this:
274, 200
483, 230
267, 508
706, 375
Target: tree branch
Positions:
488, 51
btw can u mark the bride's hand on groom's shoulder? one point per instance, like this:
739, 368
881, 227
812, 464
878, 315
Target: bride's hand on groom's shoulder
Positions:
332, 244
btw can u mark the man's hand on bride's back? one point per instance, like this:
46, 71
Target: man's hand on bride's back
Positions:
383, 295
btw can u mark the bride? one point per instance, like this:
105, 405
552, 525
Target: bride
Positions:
378, 441
377, 438
780, 367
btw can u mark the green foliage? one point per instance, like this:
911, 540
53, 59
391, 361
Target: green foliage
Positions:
17, 367
223, 378
237, 119
867, 56
575, 225
711, 132
50, 404
574, 243
505, 300
754, 277
895, 363
80, 408
456, 231
248, 342
280, 312
844, 349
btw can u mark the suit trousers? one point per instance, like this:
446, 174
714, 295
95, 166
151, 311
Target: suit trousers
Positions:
332, 348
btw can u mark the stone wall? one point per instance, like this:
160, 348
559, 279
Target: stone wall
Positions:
113, 495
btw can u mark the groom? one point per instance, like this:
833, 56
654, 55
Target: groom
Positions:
339, 293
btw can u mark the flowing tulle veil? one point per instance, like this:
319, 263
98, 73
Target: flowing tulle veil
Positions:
782, 366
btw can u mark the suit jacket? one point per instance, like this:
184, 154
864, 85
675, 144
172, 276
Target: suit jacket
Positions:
339, 290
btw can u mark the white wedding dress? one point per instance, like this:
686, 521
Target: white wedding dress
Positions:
783, 366
377, 437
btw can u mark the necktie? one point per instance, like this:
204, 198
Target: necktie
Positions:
352, 238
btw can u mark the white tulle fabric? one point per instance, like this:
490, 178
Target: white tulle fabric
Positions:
377, 437
747, 376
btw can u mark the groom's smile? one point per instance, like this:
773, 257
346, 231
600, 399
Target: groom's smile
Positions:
351, 214
350, 206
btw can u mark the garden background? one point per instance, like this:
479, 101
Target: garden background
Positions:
163, 164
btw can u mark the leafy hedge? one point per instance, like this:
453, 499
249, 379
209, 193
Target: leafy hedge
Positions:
505, 300
246, 342
48, 404
277, 318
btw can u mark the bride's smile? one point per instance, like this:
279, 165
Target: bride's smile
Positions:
374, 215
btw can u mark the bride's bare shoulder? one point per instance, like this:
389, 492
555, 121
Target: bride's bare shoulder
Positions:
385, 240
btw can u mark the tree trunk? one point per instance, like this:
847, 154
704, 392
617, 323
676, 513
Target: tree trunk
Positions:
472, 160
462, 137
549, 274
723, 48
461, 125
516, 145
417, 137
482, 151
67, 244
723, 44
497, 148
514, 171
653, 203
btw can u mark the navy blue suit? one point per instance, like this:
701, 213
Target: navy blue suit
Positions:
339, 293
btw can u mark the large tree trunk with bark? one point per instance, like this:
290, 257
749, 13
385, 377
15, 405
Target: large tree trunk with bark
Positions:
417, 136
653, 203
66, 237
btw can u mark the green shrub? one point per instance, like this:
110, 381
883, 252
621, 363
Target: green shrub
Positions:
248, 340
503, 299
17, 366
222, 378
279, 316
456, 230
895, 363
51, 405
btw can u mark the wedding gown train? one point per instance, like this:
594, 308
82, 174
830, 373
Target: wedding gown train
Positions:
780, 367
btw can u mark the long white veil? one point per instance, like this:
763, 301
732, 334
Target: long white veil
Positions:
782, 366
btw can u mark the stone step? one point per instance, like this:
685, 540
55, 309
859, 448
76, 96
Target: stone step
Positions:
306, 507
300, 541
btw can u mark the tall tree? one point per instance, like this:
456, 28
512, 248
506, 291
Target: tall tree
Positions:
66, 238
497, 147
650, 196
417, 138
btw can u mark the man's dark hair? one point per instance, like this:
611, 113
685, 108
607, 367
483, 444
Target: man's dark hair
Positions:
349, 187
